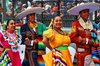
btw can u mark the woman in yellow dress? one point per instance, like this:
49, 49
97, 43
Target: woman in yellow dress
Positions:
57, 41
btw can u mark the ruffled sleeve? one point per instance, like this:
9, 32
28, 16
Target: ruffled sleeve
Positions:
50, 34
46, 33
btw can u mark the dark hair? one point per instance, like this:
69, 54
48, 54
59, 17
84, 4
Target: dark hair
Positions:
1, 46
8, 23
28, 14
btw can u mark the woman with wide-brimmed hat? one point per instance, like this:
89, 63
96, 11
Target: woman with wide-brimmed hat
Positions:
82, 33
29, 34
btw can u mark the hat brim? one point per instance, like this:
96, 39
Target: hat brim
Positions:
35, 10
91, 6
1, 9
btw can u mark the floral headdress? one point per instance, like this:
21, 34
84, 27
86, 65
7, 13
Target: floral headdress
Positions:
5, 25
51, 23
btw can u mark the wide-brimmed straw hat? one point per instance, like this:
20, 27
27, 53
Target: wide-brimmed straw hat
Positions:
30, 10
1, 9
91, 6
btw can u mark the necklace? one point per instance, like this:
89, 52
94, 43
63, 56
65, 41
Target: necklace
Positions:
33, 25
59, 32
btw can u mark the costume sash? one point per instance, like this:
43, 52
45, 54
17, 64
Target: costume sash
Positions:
58, 58
96, 46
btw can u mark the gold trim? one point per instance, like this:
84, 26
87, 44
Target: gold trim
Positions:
85, 25
73, 29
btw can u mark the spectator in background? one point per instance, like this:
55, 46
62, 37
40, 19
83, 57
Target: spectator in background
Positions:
99, 12
47, 10
44, 5
62, 11
24, 8
0, 2
68, 5
9, 10
39, 4
74, 4
19, 8
34, 4
54, 10
61, 4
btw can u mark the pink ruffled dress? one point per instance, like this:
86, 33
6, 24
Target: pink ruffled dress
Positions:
14, 46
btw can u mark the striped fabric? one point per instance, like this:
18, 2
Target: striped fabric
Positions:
58, 58
5, 59
40, 60
96, 46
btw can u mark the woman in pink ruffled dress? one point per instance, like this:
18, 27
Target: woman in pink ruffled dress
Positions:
10, 40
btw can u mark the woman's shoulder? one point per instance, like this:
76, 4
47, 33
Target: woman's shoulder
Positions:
47, 32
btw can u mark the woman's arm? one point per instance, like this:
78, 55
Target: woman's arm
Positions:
46, 42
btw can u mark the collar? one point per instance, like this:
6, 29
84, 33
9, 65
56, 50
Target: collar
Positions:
87, 25
35, 25
10, 32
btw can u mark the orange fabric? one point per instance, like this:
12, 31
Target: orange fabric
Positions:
57, 40
48, 58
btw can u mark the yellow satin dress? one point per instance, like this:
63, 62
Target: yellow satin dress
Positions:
57, 40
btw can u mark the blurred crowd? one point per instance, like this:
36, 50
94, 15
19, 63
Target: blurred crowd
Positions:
51, 8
